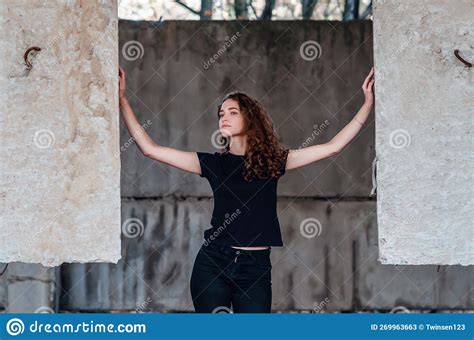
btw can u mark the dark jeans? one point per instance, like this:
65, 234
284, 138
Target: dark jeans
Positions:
223, 276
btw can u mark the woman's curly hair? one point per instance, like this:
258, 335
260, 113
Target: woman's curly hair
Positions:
265, 156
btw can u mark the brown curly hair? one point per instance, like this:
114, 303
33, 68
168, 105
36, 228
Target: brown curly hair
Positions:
265, 156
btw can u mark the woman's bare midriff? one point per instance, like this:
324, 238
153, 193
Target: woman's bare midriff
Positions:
251, 248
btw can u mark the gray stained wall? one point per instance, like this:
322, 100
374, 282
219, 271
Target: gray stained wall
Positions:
309, 101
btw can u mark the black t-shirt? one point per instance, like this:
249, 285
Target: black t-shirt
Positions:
245, 213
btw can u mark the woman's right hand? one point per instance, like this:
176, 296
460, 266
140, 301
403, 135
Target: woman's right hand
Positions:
121, 83
367, 87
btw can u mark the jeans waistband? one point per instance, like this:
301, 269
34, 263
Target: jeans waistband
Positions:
226, 249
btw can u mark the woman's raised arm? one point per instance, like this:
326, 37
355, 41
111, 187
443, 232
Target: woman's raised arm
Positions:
185, 160
304, 156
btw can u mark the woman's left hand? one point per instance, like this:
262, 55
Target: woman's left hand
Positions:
367, 87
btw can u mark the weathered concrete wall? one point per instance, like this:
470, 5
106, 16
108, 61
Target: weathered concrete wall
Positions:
308, 100
31, 288
60, 164
424, 130
170, 208
335, 271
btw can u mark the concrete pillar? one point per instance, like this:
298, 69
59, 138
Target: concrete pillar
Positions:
424, 122
59, 122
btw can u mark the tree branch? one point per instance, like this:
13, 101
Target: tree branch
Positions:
187, 7
367, 11
267, 10
308, 8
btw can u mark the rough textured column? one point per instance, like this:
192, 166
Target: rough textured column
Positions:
424, 114
59, 122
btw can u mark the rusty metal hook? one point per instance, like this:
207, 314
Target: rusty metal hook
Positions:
25, 56
465, 62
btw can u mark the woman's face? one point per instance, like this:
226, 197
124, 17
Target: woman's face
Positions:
230, 118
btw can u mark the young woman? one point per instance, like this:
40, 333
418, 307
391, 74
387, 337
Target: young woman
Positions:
232, 268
